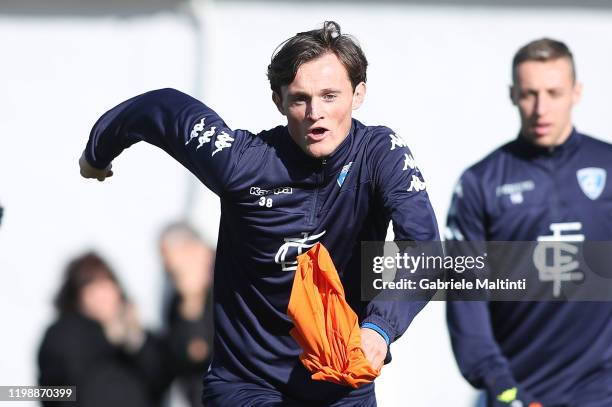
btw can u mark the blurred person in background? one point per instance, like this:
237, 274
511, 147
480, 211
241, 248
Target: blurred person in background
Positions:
189, 263
97, 343
549, 182
323, 178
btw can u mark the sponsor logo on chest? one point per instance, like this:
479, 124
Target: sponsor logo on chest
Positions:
257, 191
556, 258
515, 190
293, 247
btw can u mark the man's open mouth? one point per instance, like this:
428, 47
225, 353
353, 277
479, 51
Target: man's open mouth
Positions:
318, 130
317, 133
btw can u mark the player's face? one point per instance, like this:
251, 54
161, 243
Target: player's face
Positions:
318, 105
545, 93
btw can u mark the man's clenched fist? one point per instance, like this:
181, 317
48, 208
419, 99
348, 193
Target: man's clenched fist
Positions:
88, 171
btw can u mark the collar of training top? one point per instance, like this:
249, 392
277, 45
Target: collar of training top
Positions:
530, 150
333, 162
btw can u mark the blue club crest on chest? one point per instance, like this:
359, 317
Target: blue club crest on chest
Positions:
343, 174
592, 181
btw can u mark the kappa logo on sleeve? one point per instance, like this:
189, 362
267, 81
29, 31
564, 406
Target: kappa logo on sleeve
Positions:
197, 128
409, 163
224, 140
206, 137
198, 132
416, 185
458, 189
396, 141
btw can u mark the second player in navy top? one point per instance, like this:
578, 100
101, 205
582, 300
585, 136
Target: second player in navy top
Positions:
550, 182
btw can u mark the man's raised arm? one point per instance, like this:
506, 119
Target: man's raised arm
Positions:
182, 126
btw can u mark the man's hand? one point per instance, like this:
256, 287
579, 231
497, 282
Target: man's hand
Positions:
87, 171
125, 329
374, 347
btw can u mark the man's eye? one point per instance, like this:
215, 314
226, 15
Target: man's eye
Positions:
330, 97
526, 95
555, 93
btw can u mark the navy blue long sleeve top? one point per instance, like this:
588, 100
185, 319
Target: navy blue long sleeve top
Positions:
276, 202
559, 352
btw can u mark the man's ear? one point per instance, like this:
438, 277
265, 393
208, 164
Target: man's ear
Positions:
276, 98
576, 93
359, 95
512, 90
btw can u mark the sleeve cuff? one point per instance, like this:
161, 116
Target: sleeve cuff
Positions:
378, 329
89, 157
498, 382
380, 322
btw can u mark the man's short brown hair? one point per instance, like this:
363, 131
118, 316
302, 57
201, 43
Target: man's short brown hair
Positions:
309, 45
543, 50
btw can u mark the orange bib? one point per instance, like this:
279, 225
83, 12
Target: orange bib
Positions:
326, 327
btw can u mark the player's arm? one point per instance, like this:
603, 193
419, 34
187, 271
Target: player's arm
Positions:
402, 189
180, 125
478, 355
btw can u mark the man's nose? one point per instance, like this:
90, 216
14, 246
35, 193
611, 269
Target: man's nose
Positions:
315, 110
542, 104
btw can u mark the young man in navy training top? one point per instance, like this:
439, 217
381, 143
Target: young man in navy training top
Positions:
324, 177
548, 182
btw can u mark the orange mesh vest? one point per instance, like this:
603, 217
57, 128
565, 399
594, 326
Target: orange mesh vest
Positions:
326, 327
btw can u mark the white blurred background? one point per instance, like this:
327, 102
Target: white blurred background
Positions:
439, 75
